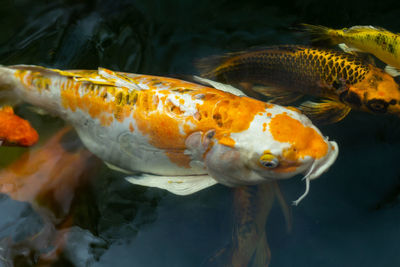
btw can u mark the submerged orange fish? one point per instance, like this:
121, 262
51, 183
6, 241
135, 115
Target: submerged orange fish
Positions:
14, 130
380, 42
249, 246
173, 134
47, 177
285, 73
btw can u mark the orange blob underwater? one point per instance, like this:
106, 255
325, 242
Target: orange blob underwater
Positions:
15, 130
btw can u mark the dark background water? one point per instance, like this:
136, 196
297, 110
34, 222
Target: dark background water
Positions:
351, 216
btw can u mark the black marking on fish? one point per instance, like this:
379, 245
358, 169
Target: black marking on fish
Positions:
377, 105
353, 98
390, 48
118, 98
392, 102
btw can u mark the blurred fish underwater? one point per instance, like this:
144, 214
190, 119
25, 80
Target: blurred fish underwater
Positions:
48, 178
113, 223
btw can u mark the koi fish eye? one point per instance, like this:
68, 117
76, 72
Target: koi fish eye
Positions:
377, 105
269, 161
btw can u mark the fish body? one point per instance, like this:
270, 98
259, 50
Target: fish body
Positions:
380, 42
287, 72
180, 136
15, 131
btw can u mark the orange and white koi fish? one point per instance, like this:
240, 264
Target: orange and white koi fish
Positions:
179, 136
15, 131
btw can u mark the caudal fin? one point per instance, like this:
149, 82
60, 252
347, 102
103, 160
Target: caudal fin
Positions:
321, 34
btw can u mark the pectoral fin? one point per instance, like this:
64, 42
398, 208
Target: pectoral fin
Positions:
116, 168
392, 71
326, 112
179, 185
348, 49
276, 95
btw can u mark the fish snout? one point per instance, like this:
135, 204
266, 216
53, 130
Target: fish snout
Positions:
321, 165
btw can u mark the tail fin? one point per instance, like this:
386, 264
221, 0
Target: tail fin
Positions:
321, 34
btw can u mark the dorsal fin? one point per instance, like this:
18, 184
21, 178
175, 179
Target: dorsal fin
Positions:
119, 79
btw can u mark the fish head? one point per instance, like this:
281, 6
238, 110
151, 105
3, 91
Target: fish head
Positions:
378, 93
279, 143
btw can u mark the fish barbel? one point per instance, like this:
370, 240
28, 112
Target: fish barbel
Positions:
378, 41
180, 136
286, 73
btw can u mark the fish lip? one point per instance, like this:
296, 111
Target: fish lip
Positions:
321, 165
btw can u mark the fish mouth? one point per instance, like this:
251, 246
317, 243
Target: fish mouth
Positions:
321, 165
318, 167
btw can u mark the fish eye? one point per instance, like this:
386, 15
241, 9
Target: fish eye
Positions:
377, 105
269, 161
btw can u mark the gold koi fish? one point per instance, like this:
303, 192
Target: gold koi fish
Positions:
173, 134
286, 73
378, 41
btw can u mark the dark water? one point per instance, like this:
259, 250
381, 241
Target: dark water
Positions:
351, 216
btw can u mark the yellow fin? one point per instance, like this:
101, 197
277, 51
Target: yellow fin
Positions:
326, 112
276, 95
319, 33
78, 75
119, 79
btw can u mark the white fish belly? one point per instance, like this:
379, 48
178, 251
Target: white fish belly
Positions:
131, 151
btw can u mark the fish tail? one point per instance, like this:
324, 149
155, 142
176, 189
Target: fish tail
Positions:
322, 34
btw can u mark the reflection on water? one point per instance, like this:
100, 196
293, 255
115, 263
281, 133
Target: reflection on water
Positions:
249, 246
48, 178
49, 215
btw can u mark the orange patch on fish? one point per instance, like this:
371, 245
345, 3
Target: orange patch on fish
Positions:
15, 130
305, 141
167, 129
131, 128
227, 113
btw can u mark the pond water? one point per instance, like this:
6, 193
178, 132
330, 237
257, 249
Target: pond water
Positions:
350, 218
